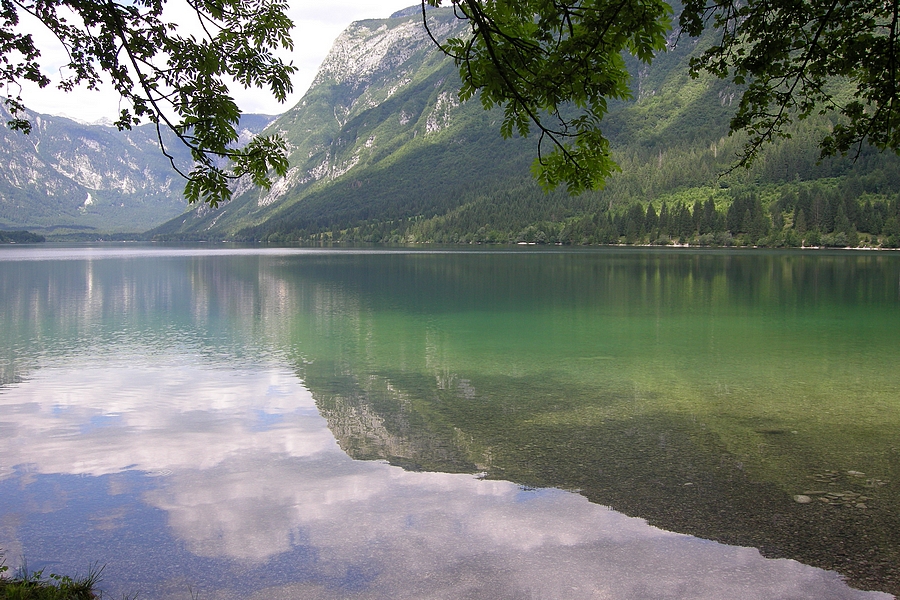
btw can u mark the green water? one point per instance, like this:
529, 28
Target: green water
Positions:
747, 344
700, 390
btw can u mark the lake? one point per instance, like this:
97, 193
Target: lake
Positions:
224, 422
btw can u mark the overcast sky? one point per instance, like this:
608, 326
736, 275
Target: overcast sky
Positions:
316, 25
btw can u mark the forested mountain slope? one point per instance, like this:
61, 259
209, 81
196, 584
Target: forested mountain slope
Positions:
380, 135
382, 150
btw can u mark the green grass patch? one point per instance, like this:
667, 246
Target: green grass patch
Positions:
22, 585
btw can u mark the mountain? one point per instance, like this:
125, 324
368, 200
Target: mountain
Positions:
67, 176
380, 124
382, 150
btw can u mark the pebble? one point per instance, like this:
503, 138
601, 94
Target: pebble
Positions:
846, 498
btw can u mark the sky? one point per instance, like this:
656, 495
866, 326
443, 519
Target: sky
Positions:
316, 25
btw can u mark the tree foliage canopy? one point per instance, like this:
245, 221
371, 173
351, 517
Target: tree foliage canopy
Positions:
177, 80
554, 64
795, 58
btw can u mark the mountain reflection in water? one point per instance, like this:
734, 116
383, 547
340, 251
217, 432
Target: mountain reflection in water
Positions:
170, 419
247, 475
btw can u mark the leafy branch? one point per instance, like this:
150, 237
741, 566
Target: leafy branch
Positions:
176, 81
553, 65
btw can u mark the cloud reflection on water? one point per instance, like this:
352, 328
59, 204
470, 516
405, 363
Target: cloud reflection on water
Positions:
168, 413
247, 472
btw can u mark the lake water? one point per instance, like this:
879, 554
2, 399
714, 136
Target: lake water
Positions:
309, 423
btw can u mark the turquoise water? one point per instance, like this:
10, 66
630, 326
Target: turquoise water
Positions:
374, 423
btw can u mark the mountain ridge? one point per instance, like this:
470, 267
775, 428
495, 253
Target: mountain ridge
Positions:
382, 150
66, 176
359, 120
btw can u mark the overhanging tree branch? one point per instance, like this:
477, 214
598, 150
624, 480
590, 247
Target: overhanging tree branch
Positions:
176, 82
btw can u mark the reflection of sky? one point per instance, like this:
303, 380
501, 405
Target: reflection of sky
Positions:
176, 471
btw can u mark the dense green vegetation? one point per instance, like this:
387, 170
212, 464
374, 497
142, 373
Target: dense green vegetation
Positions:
557, 67
20, 237
34, 586
820, 213
786, 199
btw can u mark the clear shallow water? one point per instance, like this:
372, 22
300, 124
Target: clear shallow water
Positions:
290, 423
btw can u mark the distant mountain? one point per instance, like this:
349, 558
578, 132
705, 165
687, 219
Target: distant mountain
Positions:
67, 176
382, 150
380, 135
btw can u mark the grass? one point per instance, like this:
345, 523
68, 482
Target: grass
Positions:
35, 586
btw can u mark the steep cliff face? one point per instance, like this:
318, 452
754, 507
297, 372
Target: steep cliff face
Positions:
66, 175
339, 126
382, 111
